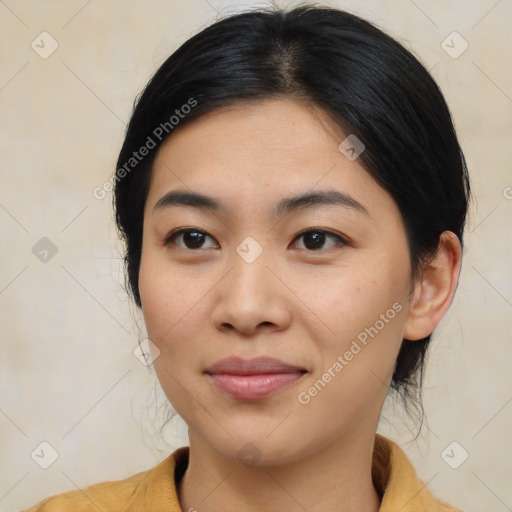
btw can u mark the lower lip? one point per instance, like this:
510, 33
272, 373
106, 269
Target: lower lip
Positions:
253, 387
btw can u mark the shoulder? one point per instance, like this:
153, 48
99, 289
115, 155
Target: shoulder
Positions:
398, 483
141, 489
93, 497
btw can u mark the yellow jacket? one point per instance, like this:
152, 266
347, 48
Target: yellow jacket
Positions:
155, 490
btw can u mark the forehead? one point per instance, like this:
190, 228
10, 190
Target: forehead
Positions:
284, 127
259, 152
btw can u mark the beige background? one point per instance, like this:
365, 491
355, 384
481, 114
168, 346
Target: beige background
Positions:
67, 372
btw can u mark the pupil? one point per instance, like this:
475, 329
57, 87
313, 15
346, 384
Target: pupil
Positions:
193, 238
316, 238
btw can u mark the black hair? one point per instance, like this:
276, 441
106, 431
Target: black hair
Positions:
370, 85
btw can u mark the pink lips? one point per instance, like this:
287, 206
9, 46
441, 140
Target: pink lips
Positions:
251, 379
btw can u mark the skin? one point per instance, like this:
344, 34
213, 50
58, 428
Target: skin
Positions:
297, 304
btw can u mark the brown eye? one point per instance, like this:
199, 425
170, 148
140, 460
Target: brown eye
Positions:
314, 239
188, 238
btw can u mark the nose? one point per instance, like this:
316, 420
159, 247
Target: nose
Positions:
251, 298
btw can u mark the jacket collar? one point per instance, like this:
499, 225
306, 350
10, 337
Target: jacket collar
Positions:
393, 476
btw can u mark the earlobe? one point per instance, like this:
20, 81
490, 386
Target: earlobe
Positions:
435, 289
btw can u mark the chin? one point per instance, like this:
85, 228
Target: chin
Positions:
259, 450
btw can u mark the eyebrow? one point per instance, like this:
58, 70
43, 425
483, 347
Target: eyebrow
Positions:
283, 207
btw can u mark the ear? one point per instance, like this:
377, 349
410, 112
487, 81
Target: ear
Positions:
434, 291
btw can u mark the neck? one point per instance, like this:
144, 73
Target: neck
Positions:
335, 478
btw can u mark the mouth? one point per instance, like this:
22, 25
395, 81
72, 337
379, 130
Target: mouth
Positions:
253, 379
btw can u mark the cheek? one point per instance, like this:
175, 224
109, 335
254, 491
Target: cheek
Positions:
365, 311
173, 305
163, 296
365, 314
171, 308
153, 297
355, 300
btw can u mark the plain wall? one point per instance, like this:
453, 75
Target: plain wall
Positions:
67, 372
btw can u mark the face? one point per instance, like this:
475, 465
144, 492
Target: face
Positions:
279, 300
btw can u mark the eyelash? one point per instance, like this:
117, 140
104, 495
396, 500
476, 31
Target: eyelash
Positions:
341, 241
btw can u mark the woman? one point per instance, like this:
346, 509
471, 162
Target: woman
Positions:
292, 196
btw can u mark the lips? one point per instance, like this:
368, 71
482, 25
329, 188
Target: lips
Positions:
253, 379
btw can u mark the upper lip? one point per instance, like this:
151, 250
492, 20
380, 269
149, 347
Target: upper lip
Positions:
254, 366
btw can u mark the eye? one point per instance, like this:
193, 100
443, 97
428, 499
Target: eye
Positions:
192, 238
314, 239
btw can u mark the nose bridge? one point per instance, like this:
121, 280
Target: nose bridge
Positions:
250, 279
250, 294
